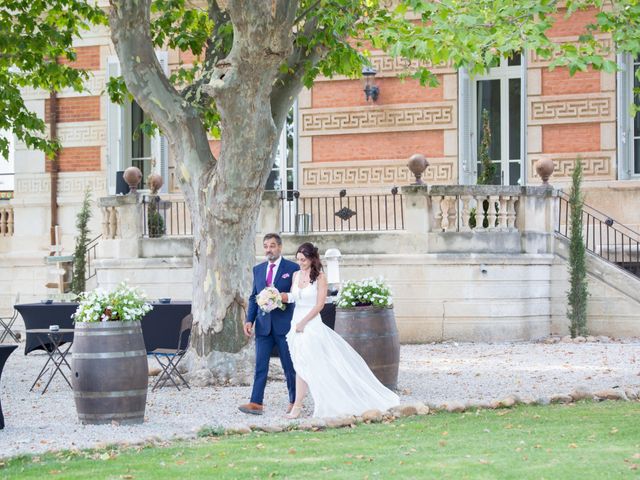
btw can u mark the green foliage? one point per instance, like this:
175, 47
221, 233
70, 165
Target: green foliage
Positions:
527, 442
155, 222
367, 292
82, 240
578, 293
487, 167
35, 35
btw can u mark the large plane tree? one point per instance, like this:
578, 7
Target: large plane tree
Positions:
255, 56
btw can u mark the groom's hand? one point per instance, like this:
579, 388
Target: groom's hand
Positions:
248, 327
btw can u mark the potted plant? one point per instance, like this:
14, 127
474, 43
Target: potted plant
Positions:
109, 361
365, 319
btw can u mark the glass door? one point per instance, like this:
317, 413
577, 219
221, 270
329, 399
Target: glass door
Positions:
497, 124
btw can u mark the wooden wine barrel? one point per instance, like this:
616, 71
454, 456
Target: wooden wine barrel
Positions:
372, 332
109, 372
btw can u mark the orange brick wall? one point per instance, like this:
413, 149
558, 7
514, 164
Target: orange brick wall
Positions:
214, 145
76, 109
78, 159
377, 146
577, 137
349, 93
87, 58
574, 25
559, 82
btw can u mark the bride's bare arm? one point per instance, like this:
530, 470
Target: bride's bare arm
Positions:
286, 296
322, 297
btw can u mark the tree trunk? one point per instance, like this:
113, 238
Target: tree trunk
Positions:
223, 195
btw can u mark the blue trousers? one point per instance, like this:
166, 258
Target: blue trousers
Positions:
264, 346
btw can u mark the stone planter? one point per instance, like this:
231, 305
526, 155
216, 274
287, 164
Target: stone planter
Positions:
109, 372
372, 332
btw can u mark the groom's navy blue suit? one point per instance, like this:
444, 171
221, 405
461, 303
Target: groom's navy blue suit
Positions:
271, 328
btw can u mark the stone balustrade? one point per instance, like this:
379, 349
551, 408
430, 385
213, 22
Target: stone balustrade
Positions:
6, 221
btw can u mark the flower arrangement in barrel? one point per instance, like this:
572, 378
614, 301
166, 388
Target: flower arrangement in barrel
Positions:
269, 299
124, 303
372, 292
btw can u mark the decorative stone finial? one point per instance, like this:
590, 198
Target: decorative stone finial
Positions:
155, 183
132, 176
418, 164
544, 169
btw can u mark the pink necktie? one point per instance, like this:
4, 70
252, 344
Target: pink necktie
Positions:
270, 274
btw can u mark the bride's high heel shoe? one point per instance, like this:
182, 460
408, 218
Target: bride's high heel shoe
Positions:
294, 413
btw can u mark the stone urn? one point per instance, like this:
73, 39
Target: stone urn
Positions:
418, 164
132, 176
155, 183
544, 169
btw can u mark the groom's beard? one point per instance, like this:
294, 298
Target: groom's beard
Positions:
272, 257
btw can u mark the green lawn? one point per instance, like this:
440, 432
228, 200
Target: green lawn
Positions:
582, 441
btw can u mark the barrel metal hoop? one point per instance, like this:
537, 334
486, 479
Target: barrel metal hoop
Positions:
118, 394
109, 416
93, 333
96, 356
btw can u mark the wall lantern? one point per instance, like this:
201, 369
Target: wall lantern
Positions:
371, 91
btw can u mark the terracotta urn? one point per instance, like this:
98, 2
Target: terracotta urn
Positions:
544, 169
155, 183
132, 176
418, 164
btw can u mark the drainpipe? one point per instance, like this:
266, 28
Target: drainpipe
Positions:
53, 123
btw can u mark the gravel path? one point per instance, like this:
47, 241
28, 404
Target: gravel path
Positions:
434, 374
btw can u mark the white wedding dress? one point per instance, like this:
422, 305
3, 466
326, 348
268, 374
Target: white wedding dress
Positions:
340, 382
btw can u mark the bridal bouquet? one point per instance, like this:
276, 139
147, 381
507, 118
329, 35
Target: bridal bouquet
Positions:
269, 299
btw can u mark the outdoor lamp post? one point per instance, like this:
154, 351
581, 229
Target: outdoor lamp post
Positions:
332, 257
371, 91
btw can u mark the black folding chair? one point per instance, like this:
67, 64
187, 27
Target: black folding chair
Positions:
170, 358
6, 323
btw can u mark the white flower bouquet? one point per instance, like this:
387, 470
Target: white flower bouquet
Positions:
269, 299
125, 304
362, 293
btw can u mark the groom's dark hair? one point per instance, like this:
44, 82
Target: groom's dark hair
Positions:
275, 236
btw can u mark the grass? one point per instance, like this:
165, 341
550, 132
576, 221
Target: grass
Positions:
586, 441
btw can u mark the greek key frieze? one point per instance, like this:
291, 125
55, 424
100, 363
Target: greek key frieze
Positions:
94, 85
82, 134
536, 60
571, 109
371, 175
593, 166
426, 117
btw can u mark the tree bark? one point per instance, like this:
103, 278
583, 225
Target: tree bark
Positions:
223, 195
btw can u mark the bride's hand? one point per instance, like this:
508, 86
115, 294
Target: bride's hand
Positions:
299, 327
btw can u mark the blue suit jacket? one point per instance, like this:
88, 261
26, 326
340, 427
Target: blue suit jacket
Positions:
278, 321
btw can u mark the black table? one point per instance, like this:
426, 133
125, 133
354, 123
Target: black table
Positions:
160, 327
42, 316
57, 356
5, 351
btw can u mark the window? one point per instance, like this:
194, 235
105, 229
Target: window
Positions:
499, 94
283, 174
127, 144
628, 120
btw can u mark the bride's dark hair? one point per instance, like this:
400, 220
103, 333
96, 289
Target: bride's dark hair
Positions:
310, 252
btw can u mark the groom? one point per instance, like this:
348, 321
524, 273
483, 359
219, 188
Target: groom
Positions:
270, 328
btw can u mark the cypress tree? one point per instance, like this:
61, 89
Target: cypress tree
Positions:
80, 253
578, 293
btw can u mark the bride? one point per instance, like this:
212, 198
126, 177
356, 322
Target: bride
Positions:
338, 378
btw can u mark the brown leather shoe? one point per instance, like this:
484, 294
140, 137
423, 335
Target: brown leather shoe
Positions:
252, 408
289, 408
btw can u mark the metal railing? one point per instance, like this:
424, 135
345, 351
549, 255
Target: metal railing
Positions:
603, 236
341, 213
91, 249
165, 217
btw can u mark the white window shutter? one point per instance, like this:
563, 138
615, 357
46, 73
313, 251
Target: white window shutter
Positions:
160, 148
466, 156
115, 152
624, 100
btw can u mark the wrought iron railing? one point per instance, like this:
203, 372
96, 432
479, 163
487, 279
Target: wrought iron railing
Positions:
165, 217
91, 255
341, 213
603, 236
